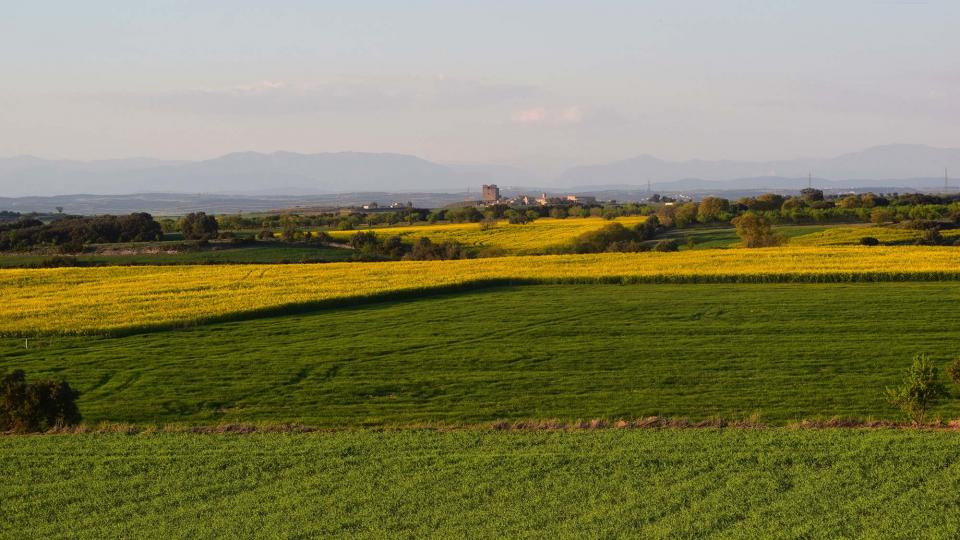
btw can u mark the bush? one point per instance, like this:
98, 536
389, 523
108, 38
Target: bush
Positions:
953, 370
869, 241
38, 406
199, 226
323, 237
666, 245
921, 389
425, 250
265, 234
58, 261
931, 237
602, 239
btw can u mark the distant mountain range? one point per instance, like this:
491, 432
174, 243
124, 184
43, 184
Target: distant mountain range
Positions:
287, 173
890, 162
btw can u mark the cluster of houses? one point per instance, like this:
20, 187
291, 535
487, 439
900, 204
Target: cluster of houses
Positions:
491, 195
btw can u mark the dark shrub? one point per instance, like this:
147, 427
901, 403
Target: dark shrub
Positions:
425, 250
869, 241
931, 237
58, 261
953, 370
38, 406
199, 226
74, 245
666, 245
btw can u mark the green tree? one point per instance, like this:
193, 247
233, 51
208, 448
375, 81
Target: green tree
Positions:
756, 231
199, 226
712, 209
685, 215
881, 215
921, 389
36, 406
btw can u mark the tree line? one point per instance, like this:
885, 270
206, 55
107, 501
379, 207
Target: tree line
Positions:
812, 207
70, 233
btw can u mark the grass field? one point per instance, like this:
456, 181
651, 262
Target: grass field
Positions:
528, 239
263, 253
416, 484
787, 351
98, 300
726, 237
839, 236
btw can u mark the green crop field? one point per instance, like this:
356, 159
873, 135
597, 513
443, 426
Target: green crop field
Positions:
785, 351
484, 484
273, 252
726, 237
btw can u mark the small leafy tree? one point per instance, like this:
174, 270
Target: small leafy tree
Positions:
869, 241
756, 231
921, 389
37, 406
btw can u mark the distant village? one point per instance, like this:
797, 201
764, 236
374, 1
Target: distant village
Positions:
491, 196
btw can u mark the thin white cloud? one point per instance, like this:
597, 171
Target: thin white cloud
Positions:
548, 116
355, 95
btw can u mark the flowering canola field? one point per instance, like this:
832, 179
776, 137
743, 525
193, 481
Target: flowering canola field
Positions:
839, 236
531, 238
126, 298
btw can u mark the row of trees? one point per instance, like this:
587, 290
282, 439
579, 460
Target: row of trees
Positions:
70, 233
812, 207
368, 246
616, 237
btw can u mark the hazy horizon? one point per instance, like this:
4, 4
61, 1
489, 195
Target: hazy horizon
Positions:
540, 85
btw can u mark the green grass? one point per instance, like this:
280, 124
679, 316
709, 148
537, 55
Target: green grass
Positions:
787, 351
260, 253
417, 484
726, 237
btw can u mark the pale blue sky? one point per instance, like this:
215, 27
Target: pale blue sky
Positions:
542, 84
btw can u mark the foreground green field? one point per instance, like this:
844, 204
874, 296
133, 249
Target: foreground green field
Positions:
787, 351
416, 484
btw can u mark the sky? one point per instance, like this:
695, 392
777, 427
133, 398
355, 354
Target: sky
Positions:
543, 85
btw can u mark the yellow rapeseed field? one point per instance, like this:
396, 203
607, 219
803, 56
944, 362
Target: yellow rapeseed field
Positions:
531, 238
840, 236
109, 299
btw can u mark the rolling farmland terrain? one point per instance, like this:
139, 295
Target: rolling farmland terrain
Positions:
532, 270
128, 299
489, 395
537, 237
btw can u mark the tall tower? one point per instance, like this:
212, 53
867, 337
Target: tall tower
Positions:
491, 193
